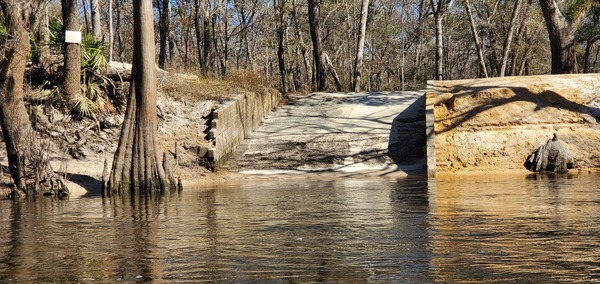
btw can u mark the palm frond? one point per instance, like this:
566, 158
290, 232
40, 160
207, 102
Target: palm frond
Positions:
93, 53
85, 107
57, 36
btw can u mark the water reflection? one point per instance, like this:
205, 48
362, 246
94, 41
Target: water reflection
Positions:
340, 231
483, 230
540, 229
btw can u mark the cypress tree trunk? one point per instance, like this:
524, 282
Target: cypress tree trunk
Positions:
26, 159
550, 157
136, 166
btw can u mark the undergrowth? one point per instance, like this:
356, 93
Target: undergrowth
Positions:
194, 87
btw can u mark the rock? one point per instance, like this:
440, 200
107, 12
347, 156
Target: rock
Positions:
550, 157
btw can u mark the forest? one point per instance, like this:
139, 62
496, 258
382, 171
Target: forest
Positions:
403, 42
295, 46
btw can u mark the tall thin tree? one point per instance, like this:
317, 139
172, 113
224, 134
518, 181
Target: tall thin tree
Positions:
164, 26
281, 34
111, 30
319, 65
509, 37
478, 45
360, 46
439, 9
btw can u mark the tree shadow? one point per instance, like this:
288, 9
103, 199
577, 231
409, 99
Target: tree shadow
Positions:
305, 137
92, 185
485, 95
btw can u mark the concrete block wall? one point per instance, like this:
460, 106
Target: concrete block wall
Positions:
236, 120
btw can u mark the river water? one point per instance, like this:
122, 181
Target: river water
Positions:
521, 229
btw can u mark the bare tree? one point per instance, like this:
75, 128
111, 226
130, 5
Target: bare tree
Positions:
136, 165
319, 66
562, 27
360, 46
439, 8
478, 45
281, 34
509, 36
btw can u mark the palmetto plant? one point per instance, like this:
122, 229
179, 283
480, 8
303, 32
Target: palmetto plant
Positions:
93, 98
3, 31
57, 37
94, 95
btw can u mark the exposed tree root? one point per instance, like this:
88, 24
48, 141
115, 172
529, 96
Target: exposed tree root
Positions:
550, 157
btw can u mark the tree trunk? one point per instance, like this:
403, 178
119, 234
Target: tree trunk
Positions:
364, 12
439, 48
550, 157
118, 33
281, 30
44, 52
96, 27
334, 74
198, 30
313, 20
26, 158
302, 45
589, 43
509, 36
136, 166
439, 8
164, 32
221, 37
561, 32
172, 47
206, 43
72, 72
522, 34
111, 31
478, 46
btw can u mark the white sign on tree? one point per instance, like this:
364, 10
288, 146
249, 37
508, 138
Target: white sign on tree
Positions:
72, 36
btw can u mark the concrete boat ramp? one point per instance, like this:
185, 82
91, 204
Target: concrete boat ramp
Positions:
377, 133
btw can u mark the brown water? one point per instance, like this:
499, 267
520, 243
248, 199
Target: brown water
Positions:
509, 229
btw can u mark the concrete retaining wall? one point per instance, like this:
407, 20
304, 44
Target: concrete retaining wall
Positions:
236, 120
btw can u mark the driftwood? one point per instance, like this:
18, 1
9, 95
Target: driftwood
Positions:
550, 157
